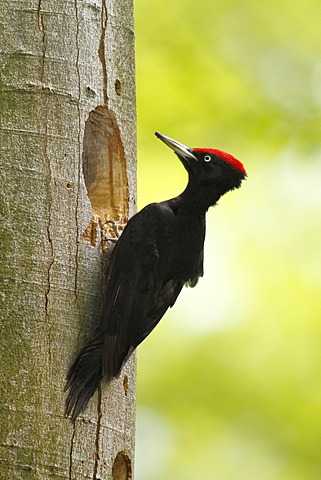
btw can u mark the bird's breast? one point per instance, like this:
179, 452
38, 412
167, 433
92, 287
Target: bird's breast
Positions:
186, 249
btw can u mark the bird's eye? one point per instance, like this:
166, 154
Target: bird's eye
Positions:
207, 158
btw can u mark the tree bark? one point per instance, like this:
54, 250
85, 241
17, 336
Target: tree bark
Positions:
68, 146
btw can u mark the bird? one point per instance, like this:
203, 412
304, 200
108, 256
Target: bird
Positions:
160, 250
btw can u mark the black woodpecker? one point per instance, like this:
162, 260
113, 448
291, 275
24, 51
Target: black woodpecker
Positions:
160, 250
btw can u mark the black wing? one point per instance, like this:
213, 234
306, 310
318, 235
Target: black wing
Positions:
140, 287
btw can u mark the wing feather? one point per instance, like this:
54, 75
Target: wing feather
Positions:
139, 291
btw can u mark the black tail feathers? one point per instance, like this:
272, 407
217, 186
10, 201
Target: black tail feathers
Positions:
84, 375
102, 356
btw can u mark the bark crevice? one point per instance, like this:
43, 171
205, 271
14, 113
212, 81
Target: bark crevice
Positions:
97, 442
101, 50
41, 26
71, 451
79, 149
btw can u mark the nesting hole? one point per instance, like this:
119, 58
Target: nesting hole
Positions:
122, 467
104, 169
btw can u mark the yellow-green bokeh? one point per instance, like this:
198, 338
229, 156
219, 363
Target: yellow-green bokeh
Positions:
229, 384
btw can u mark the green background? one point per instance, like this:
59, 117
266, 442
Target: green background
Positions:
229, 382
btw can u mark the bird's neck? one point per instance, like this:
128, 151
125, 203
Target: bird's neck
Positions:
196, 200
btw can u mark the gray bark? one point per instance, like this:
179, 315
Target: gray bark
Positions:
67, 114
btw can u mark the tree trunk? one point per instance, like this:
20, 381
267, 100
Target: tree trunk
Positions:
67, 115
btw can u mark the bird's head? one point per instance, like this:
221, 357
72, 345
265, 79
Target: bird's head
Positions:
208, 167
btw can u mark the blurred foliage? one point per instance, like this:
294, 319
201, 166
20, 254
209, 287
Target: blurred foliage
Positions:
229, 383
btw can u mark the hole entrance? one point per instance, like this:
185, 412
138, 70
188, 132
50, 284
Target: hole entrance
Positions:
122, 467
104, 169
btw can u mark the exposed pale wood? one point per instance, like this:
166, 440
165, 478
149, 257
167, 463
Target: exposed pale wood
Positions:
60, 60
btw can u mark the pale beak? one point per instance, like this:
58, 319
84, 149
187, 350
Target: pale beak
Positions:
180, 149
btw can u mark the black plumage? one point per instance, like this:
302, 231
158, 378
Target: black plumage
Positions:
159, 251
